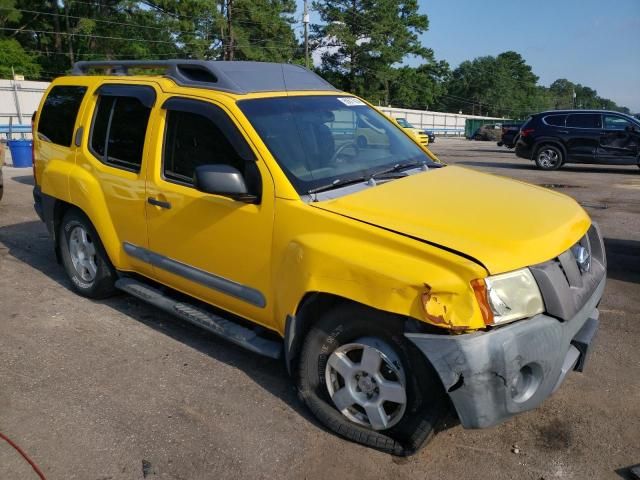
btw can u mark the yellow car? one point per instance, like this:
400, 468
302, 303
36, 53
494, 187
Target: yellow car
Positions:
421, 135
390, 284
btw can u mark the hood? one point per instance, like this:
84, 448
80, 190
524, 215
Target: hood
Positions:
503, 224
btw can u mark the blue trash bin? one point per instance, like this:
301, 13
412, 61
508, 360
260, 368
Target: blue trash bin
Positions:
20, 153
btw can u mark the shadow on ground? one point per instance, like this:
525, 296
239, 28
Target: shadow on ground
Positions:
29, 242
24, 179
629, 473
623, 259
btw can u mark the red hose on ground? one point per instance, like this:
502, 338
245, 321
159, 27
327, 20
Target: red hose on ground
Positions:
24, 455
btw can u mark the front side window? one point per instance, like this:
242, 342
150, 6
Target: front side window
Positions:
318, 140
193, 140
199, 133
119, 130
614, 122
59, 113
584, 120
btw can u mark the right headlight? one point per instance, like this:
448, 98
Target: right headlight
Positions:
508, 296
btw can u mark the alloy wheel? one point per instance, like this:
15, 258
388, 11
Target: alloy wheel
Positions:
366, 383
83, 254
548, 158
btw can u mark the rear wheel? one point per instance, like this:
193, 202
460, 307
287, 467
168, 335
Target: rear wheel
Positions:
84, 257
549, 157
365, 381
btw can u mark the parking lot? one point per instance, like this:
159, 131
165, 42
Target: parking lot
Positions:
119, 390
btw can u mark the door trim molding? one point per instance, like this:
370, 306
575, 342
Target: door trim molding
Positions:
209, 280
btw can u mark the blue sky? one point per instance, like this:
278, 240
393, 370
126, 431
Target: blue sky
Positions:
592, 42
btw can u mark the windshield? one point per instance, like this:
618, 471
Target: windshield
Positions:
318, 140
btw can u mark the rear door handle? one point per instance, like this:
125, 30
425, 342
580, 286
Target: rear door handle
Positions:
159, 203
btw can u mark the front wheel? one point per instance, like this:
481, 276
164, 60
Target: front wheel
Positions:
365, 381
84, 257
549, 157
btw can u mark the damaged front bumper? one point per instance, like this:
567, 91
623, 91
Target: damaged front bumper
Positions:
491, 376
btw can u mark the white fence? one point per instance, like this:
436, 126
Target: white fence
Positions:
438, 122
19, 99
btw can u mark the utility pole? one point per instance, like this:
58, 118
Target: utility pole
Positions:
229, 52
305, 20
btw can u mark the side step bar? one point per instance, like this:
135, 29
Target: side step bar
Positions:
238, 334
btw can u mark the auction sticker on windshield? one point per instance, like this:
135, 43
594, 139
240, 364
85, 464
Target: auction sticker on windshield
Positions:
351, 101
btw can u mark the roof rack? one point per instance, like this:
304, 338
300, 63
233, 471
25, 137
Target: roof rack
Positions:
228, 76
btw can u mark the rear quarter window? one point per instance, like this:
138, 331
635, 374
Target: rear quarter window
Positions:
555, 120
59, 112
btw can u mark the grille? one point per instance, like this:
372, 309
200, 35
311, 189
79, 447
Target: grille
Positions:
568, 281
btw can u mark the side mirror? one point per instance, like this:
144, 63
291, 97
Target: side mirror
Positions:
631, 128
224, 180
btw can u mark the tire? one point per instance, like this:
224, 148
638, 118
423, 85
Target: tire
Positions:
84, 258
549, 157
345, 332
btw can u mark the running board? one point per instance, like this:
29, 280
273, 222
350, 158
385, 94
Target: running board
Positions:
234, 332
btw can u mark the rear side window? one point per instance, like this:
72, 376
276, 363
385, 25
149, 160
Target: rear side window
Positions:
119, 130
584, 120
555, 120
59, 112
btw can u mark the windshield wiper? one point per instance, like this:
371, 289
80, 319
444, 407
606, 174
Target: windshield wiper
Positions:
338, 182
399, 167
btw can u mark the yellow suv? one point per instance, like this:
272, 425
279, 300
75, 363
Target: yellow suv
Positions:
421, 135
391, 285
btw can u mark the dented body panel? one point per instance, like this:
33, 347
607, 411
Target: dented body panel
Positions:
481, 371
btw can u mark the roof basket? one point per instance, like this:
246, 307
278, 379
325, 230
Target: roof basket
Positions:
234, 77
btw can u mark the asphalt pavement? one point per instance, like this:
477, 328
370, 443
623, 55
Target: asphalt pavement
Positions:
116, 389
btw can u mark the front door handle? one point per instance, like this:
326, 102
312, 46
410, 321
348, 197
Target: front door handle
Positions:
159, 203
563, 131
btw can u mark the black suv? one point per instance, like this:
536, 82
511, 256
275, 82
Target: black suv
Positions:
557, 137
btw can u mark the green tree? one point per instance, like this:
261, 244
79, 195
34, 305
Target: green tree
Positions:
561, 95
8, 12
262, 30
361, 41
420, 87
12, 55
62, 32
500, 86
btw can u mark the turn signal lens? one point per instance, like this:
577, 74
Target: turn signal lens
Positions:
480, 290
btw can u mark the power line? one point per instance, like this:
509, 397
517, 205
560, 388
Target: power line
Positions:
106, 37
136, 25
